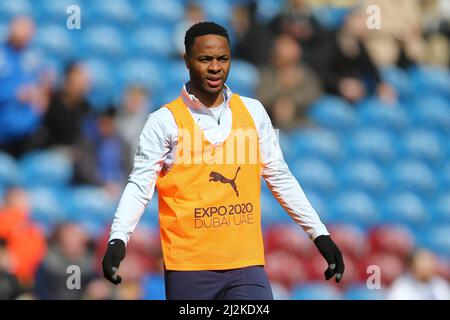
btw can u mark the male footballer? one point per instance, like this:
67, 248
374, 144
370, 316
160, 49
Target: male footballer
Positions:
205, 153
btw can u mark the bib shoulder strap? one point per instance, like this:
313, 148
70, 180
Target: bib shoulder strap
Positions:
241, 112
180, 112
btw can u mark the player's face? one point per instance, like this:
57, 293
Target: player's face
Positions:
209, 63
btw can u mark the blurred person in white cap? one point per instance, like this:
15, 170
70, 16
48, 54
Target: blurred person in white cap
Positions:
421, 282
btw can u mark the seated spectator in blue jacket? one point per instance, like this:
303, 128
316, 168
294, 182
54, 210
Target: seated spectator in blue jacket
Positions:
101, 156
23, 92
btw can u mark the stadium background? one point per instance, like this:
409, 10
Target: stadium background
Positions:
372, 153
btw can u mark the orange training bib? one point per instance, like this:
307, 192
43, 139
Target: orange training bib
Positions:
209, 202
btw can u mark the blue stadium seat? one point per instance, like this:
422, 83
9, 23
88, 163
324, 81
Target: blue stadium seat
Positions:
356, 207
432, 112
266, 9
441, 212
167, 95
152, 41
374, 112
4, 29
103, 41
89, 203
373, 144
104, 81
243, 78
315, 174
271, 210
361, 292
10, 9
362, 175
398, 79
56, 65
286, 146
413, 175
46, 168
176, 74
422, 145
334, 113
405, 208
316, 142
166, 13
319, 203
443, 175
150, 216
430, 79
55, 39
437, 239
55, 11
94, 228
219, 11
46, 207
153, 287
118, 12
315, 291
9, 170
142, 72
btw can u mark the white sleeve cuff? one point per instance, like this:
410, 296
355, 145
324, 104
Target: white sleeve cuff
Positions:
119, 235
320, 231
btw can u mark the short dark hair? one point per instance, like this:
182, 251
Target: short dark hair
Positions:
70, 67
201, 29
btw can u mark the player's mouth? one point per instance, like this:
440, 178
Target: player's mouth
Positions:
214, 82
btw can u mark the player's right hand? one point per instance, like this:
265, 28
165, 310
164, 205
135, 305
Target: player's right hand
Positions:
111, 261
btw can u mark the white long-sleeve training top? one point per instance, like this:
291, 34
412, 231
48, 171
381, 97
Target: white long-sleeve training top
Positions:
156, 147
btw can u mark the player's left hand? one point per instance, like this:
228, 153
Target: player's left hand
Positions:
332, 255
111, 261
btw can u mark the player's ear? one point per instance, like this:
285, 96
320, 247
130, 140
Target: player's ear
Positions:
186, 60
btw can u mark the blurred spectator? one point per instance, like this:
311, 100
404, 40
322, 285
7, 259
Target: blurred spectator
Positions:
23, 91
131, 288
99, 289
63, 122
68, 246
132, 116
435, 16
193, 14
282, 113
421, 282
101, 157
9, 284
287, 76
297, 20
253, 39
25, 240
400, 40
349, 70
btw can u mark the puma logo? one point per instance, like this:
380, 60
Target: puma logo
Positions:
215, 176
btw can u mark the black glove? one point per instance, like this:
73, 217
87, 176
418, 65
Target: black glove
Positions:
111, 261
333, 255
